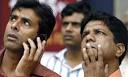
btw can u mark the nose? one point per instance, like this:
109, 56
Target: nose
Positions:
69, 27
90, 38
15, 26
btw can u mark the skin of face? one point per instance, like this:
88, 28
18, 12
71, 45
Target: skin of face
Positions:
97, 33
71, 29
23, 24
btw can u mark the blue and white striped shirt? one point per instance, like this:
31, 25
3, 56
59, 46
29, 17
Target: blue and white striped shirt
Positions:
58, 64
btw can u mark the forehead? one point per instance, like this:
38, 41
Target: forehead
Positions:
74, 17
96, 24
26, 13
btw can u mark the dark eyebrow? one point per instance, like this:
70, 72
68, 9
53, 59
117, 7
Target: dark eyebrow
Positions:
72, 22
26, 19
23, 18
100, 30
84, 34
13, 15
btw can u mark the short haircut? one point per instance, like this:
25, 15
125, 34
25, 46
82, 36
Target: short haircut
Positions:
45, 13
114, 25
79, 7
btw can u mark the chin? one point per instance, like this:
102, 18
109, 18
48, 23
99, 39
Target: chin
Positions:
13, 46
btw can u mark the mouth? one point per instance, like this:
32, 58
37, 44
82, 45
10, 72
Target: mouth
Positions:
12, 37
67, 37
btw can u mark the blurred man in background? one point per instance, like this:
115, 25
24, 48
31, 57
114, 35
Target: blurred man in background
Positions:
68, 62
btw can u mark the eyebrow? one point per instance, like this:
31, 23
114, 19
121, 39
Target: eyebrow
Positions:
27, 19
22, 17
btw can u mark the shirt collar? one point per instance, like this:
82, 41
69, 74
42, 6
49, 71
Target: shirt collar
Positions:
117, 73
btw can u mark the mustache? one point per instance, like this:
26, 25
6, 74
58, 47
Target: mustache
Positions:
12, 35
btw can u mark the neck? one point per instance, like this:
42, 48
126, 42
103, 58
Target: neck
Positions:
10, 60
73, 57
112, 67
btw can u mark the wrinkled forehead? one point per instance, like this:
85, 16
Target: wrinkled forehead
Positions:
96, 24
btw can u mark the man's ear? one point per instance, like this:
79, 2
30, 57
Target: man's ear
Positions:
120, 49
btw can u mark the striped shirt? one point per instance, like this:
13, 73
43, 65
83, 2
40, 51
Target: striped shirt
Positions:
58, 64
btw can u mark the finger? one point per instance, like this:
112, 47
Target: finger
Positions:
83, 66
32, 49
100, 54
43, 45
90, 52
26, 50
96, 53
106, 70
85, 56
39, 49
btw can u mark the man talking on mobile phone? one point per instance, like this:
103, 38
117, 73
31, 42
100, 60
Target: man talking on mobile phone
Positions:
28, 28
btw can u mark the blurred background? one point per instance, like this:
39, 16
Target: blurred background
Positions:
118, 8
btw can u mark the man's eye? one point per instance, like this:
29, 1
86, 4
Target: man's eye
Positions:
76, 24
13, 18
26, 23
85, 34
100, 32
65, 24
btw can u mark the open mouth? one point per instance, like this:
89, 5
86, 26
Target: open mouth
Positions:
11, 37
68, 37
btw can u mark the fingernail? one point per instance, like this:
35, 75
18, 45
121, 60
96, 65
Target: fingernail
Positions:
24, 43
88, 44
29, 39
44, 41
99, 45
38, 38
83, 49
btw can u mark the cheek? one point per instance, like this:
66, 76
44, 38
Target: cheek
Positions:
7, 27
83, 44
77, 33
28, 34
108, 49
7, 30
78, 37
62, 31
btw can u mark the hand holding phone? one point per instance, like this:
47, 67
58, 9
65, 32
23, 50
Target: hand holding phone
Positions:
30, 58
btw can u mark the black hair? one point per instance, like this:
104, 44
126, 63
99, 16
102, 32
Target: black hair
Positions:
45, 13
114, 24
79, 7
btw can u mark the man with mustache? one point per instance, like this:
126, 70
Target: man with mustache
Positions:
104, 45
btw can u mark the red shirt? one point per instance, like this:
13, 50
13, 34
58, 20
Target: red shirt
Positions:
40, 71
